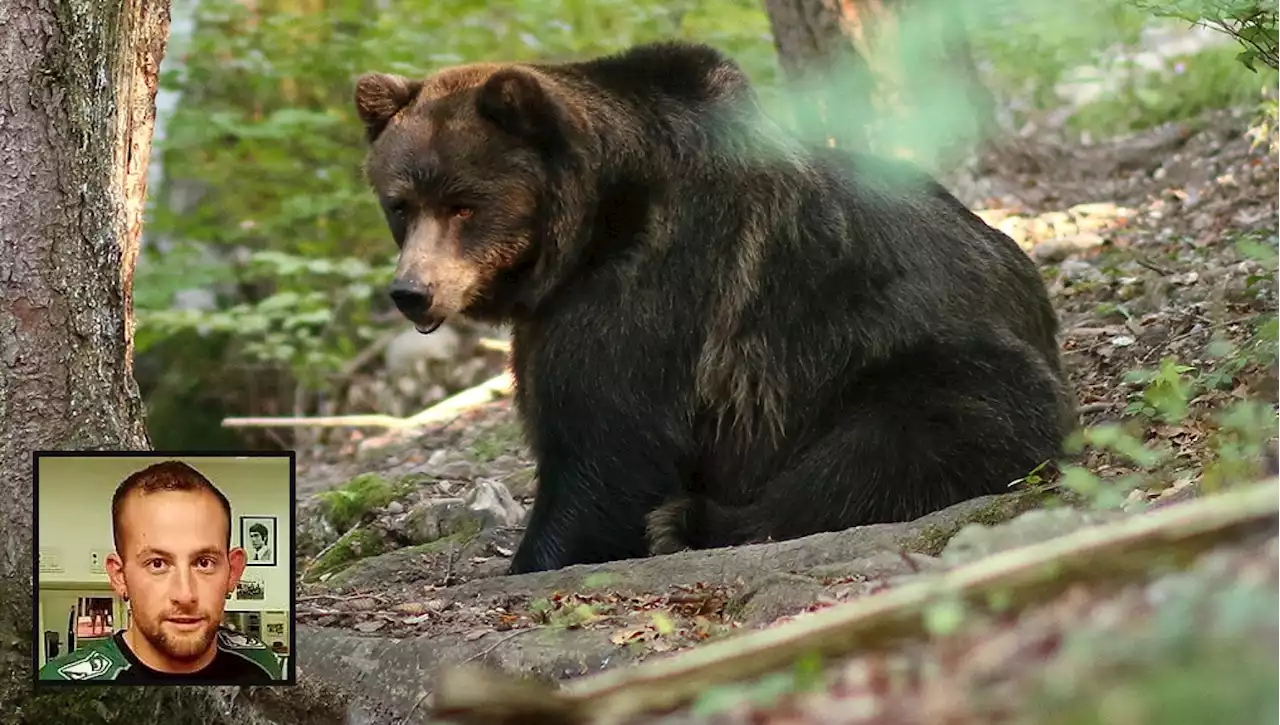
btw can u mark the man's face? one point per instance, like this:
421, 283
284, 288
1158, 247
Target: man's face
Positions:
176, 569
255, 539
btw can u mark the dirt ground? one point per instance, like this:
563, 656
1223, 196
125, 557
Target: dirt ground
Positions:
1158, 250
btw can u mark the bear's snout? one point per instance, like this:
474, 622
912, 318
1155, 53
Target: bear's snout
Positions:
413, 299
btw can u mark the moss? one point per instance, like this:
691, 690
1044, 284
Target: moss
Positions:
348, 504
392, 560
599, 580
352, 547
933, 539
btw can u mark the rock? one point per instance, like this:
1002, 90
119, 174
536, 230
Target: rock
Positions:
395, 508
976, 541
313, 532
458, 470
522, 483
1078, 270
487, 505
495, 504
775, 595
426, 522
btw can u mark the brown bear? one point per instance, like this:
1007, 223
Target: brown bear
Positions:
721, 334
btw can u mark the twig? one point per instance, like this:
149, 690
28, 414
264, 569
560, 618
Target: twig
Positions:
449, 408
1193, 332
495, 645
1025, 575
1143, 261
342, 597
327, 549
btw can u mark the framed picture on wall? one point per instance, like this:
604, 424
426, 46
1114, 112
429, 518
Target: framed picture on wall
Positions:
258, 537
250, 589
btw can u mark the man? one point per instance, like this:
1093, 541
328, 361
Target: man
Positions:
174, 565
258, 543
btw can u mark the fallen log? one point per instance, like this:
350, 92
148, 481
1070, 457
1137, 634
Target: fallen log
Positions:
492, 389
1175, 534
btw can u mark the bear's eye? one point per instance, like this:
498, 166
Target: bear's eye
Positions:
463, 212
398, 207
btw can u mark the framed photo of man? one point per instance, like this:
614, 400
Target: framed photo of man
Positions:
258, 537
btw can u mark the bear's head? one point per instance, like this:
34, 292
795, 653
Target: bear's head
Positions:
478, 169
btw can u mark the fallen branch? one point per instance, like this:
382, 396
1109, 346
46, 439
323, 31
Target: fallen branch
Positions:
1020, 576
489, 343
488, 391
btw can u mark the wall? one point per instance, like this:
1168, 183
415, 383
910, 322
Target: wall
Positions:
74, 517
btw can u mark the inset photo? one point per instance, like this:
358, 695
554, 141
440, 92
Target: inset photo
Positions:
159, 568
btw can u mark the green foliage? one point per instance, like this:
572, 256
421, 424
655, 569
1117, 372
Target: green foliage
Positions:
1166, 392
1266, 128
264, 198
1183, 88
945, 616
313, 321
1242, 432
1032, 45
1250, 22
1240, 445
565, 613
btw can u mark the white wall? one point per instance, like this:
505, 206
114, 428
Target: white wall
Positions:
74, 517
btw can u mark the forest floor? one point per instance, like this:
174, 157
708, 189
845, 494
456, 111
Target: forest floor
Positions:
1159, 251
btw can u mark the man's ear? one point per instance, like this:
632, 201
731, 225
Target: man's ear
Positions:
236, 560
517, 102
379, 96
115, 574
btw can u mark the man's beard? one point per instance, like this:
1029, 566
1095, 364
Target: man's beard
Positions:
182, 646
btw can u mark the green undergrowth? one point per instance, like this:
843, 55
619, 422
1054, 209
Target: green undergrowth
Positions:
1181, 90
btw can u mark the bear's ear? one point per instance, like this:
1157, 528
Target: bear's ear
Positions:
517, 102
379, 96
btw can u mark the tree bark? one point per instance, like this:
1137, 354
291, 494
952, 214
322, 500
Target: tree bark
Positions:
77, 105
886, 76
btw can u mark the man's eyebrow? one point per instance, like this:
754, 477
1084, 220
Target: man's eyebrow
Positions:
206, 551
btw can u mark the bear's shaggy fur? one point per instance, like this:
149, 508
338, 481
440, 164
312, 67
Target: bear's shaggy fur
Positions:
720, 334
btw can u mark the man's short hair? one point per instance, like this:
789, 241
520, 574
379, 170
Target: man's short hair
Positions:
260, 529
163, 476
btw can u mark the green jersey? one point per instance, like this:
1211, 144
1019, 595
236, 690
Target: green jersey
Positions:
241, 659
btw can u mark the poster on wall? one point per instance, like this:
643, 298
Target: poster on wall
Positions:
258, 537
249, 589
275, 631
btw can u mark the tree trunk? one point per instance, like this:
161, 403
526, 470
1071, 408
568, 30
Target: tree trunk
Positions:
885, 76
77, 104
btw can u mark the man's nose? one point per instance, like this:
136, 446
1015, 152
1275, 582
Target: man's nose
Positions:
412, 298
184, 586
